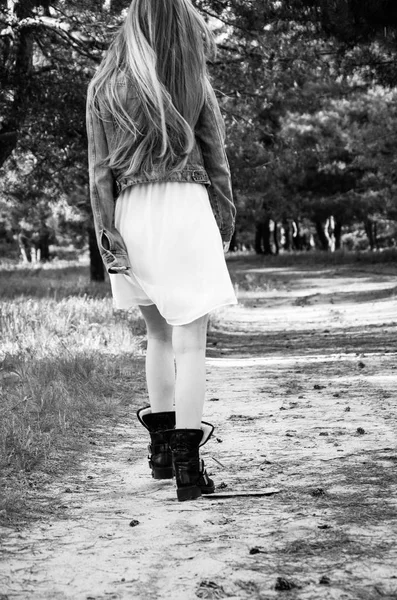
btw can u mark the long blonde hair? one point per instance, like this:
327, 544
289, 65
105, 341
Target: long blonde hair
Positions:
161, 51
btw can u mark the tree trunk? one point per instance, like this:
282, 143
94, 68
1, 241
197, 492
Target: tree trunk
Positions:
24, 248
258, 237
288, 234
19, 56
8, 142
43, 246
371, 231
35, 254
97, 271
338, 235
325, 232
267, 235
299, 239
263, 237
376, 235
330, 232
321, 235
276, 239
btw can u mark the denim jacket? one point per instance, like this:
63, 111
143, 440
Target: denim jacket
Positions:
207, 164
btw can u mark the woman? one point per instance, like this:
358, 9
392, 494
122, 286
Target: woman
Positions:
156, 143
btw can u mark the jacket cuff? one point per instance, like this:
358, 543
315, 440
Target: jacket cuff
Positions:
115, 263
113, 270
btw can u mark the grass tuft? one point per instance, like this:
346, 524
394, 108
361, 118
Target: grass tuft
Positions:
61, 356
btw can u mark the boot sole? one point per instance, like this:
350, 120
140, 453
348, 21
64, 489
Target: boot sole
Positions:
188, 493
162, 473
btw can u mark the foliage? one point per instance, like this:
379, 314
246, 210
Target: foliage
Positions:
306, 114
345, 155
43, 110
306, 88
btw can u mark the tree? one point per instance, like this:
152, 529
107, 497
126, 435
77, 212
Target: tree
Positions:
48, 51
34, 36
281, 67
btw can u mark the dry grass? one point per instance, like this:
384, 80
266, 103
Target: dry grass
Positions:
61, 344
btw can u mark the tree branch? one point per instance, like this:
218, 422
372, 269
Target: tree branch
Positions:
65, 30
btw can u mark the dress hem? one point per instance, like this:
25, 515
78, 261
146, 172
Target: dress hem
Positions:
180, 323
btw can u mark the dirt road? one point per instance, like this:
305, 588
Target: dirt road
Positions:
302, 379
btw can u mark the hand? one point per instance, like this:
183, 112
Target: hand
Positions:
226, 246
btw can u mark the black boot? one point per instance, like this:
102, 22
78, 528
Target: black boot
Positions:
158, 425
191, 477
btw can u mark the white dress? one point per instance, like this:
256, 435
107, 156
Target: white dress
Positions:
175, 250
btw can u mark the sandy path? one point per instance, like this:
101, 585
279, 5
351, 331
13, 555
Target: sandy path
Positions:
290, 381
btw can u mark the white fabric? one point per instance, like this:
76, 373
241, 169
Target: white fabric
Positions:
175, 250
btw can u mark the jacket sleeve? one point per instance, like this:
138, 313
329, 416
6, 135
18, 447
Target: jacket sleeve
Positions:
210, 134
102, 186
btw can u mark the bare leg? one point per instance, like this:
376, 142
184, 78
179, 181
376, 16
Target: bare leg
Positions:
160, 365
189, 342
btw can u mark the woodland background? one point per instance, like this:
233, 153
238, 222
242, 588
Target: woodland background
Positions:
308, 89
